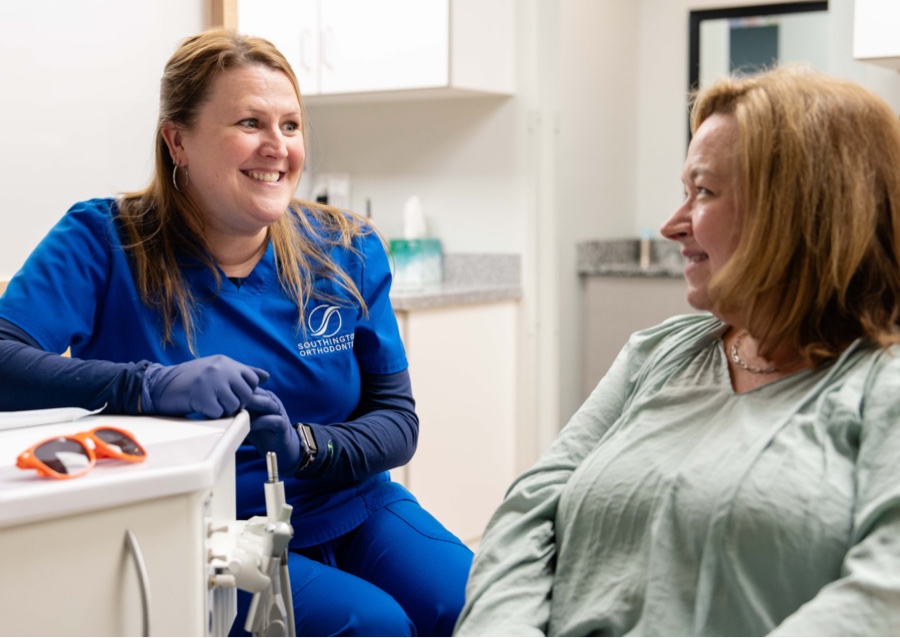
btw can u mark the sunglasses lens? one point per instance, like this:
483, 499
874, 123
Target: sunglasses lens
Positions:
63, 455
119, 441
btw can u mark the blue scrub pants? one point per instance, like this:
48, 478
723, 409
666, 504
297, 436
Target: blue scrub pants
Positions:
400, 573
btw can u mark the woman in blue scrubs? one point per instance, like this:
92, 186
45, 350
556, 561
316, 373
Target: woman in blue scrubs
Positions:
214, 290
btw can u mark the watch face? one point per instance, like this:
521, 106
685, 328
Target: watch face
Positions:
308, 437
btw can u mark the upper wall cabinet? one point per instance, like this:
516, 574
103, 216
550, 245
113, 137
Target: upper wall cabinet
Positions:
875, 27
358, 50
293, 27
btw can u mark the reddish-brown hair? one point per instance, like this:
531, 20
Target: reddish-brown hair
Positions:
818, 168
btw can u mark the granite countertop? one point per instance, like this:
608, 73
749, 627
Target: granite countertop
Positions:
468, 279
621, 257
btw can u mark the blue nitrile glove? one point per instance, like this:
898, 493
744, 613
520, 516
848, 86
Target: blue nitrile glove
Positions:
271, 431
213, 386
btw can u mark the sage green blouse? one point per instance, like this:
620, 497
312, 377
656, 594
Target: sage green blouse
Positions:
671, 505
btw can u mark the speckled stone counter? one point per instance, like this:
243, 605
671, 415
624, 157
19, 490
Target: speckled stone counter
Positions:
621, 257
469, 278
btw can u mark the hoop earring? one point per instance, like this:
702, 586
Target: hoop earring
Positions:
175, 177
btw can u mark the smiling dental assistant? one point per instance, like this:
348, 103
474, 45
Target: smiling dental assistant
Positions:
241, 160
734, 473
214, 290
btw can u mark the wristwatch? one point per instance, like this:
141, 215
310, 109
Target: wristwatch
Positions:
307, 444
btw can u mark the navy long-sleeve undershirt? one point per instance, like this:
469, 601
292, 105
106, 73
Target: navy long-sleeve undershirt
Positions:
33, 379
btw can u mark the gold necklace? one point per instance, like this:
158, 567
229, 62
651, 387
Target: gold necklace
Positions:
743, 364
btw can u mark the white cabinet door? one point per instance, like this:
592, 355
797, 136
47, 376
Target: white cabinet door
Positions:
462, 363
75, 575
615, 307
386, 45
293, 27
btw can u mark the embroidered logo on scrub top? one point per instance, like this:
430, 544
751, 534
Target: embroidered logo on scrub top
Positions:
324, 324
324, 321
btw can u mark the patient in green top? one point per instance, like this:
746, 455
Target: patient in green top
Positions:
737, 471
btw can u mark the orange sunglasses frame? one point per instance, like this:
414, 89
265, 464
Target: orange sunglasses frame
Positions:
100, 449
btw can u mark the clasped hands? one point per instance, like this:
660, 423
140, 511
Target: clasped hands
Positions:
218, 386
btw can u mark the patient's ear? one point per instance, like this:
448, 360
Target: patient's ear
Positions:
172, 134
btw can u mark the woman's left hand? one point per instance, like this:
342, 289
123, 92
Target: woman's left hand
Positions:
271, 431
213, 386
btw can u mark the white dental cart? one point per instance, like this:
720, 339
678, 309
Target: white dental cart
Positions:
125, 547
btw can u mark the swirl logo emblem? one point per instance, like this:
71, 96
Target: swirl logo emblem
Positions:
324, 321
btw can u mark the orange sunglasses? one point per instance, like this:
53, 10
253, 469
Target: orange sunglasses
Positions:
65, 457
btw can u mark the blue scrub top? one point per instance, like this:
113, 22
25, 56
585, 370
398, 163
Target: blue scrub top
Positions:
76, 290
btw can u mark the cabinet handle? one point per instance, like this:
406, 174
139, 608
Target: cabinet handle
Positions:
328, 47
306, 53
134, 546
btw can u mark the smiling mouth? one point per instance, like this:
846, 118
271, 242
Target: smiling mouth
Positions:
264, 177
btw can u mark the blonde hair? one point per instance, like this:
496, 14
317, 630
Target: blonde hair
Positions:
817, 161
162, 224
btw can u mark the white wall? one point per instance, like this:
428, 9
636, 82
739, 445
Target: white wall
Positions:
596, 180
80, 85
459, 156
